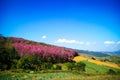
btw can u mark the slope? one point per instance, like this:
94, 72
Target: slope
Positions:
81, 58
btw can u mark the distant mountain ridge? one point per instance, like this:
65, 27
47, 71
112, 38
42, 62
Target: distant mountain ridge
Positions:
96, 53
115, 53
93, 53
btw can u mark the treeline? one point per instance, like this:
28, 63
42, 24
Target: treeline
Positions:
8, 54
18, 53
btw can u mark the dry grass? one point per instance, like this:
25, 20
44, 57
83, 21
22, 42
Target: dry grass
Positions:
81, 58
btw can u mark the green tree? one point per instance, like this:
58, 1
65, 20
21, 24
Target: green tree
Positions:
71, 65
32, 62
47, 65
111, 71
7, 55
80, 66
58, 67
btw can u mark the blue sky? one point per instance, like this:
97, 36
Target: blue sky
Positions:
79, 24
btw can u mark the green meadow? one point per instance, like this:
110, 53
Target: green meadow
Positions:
92, 72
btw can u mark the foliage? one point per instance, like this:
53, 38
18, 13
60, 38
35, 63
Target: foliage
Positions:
7, 55
58, 67
53, 54
47, 52
47, 65
2, 41
93, 58
21, 54
80, 66
32, 62
12, 49
113, 59
70, 65
111, 71
14, 63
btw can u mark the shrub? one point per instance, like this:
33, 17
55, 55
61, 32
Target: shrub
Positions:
7, 55
111, 71
58, 67
3, 67
14, 64
32, 62
80, 66
70, 65
47, 65
93, 58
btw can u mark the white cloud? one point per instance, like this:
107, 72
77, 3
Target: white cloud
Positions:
67, 41
94, 43
81, 42
74, 42
109, 42
118, 42
43, 37
88, 43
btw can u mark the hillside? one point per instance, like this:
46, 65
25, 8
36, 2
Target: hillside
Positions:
114, 53
22, 59
26, 47
98, 62
112, 59
13, 49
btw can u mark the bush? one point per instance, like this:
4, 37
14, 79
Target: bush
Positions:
80, 66
58, 67
93, 58
14, 64
47, 65
111, 71
7, 55
33, 62
3, 67
70, 65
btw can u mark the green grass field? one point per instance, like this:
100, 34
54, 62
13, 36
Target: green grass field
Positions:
93, 72
55, 76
